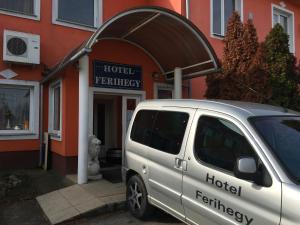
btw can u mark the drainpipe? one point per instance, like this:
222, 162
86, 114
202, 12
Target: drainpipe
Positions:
41, 125
187, 15
83, 119
187, 9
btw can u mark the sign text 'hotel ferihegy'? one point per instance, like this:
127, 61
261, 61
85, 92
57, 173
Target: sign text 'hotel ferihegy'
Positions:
114, 75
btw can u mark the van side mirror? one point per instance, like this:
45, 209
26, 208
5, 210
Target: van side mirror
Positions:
246, 169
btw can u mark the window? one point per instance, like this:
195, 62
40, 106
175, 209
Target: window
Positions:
55, 105
162, 130
282, 134
286, 19
23, 8
163, 91
220, 13
78, 13
19, 109
168, 131
219, 142
142, 126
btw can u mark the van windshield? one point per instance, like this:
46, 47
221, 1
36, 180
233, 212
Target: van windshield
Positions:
282, 134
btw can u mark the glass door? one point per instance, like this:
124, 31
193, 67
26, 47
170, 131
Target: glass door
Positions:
129, 104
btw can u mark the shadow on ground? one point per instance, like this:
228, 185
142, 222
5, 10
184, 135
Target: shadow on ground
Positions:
18, 190
125, 218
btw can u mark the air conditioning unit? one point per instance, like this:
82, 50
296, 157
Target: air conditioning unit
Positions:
21, 47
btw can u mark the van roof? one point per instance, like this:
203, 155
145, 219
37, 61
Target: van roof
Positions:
237, 108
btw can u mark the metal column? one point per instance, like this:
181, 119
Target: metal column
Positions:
83, 119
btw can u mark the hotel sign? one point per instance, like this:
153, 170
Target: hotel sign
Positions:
114, 75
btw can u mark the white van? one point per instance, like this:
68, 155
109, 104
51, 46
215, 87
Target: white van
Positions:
214, 162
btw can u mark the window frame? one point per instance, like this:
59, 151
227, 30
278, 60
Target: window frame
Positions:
33, 132
291, 19
272, 152
209, 165
256, 148
162, 86
54, 134
183, 134
222, 35
36, 16
98, 17
157, 111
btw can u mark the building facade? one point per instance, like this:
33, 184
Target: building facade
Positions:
81, 69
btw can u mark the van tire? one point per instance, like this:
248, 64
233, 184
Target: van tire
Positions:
137, 198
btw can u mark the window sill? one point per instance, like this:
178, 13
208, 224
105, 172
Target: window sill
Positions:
217, 36
55, 137
24, 16
19, 136
76, 26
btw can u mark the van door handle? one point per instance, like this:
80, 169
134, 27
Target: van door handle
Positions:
177, 163
180, 164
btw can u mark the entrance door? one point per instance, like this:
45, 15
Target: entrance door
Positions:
129, 104
100, 123
104, 125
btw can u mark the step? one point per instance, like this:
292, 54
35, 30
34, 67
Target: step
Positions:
80, 200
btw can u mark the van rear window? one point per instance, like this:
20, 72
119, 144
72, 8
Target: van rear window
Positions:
143, 126
161, 130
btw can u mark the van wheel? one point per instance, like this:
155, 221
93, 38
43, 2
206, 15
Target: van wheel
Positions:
136, 195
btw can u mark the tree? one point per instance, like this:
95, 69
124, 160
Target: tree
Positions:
233, 44
233, 48
213, 83
281, 66
295, 103
240, 46
256, 79
250, 46
264, 73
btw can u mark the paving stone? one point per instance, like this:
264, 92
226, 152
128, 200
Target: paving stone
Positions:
102, 188
74, 200
63, 215
76, 195
90, 205
53, 203
113, 199
72, 178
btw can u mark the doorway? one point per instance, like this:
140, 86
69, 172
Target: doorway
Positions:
105, 122
111, 115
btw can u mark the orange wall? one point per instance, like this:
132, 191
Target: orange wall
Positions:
57, 41
112, 51
113, 7
69, 79
175, 5
19, 145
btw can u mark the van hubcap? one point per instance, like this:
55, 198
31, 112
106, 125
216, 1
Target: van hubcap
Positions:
135, 196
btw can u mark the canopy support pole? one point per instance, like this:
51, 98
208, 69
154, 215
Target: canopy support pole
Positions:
83, 124
177, 83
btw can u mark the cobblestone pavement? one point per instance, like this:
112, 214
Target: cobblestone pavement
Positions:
125, 218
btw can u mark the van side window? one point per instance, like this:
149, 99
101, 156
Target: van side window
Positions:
168, 132
142, 126
219, 142
162, 130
